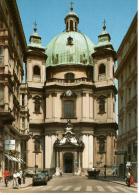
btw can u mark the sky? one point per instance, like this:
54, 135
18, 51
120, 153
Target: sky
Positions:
49, 16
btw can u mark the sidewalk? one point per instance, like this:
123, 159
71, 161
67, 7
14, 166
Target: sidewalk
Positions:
28, 182
116, 180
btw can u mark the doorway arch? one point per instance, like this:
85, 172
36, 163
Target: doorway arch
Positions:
68, 162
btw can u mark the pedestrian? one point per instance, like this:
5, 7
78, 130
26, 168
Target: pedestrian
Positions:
130, 179
15, 181
6, 176
19, 178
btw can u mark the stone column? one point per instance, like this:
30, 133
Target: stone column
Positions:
61, 160
109, 150
90, 147
57, 158
85, 152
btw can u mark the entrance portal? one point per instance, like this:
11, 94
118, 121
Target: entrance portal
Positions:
68, 162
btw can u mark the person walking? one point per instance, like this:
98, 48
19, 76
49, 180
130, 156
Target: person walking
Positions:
130, 179
19, 176
6, 177
15, 181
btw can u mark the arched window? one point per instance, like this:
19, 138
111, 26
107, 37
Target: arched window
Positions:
71, 25
36, 70
69, 77
102, 69
101, 101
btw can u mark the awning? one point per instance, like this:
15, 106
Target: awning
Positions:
15, 159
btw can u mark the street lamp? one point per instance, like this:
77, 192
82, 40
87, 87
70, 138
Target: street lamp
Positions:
105, 166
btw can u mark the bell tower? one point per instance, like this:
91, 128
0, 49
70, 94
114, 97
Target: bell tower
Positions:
105, 92
35, 60
71, 20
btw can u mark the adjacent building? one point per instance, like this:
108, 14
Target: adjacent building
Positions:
126, 74
71, 101
12, 49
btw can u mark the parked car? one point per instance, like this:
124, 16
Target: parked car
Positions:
47, 174
93, 173
29, 173
39, 178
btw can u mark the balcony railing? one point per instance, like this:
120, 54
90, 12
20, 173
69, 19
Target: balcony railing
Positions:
70, 81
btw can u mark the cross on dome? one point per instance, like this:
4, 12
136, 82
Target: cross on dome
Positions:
35, 26
104, 25
71, 6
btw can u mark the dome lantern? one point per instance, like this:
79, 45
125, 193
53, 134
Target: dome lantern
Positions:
35, 39
71, 20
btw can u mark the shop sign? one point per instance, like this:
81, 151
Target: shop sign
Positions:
9, 144
128, 164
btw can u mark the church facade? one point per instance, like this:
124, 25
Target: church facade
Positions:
71, 101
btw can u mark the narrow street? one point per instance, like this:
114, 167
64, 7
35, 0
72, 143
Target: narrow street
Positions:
69, 183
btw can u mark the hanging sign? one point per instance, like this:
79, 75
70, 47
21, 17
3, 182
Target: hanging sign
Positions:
9, 144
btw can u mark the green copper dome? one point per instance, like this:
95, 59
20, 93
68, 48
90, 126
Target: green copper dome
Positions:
69, 48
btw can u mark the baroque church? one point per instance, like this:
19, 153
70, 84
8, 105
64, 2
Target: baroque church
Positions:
71, 101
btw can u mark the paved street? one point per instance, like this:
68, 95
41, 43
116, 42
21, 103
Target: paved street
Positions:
71, 183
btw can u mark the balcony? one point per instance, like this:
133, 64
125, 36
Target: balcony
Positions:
6, 115
69, 82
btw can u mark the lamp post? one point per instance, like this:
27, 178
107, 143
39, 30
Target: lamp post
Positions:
105, 166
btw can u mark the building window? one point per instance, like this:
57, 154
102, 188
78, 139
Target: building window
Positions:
102, 69
71, 25
69, 77
23, 122
68, 109
23, 99
113, 106
101, 72
101, 142
1, 55
36, 70
37, 104
37, 145
69, 41
101, 101
1, 94
129, 120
